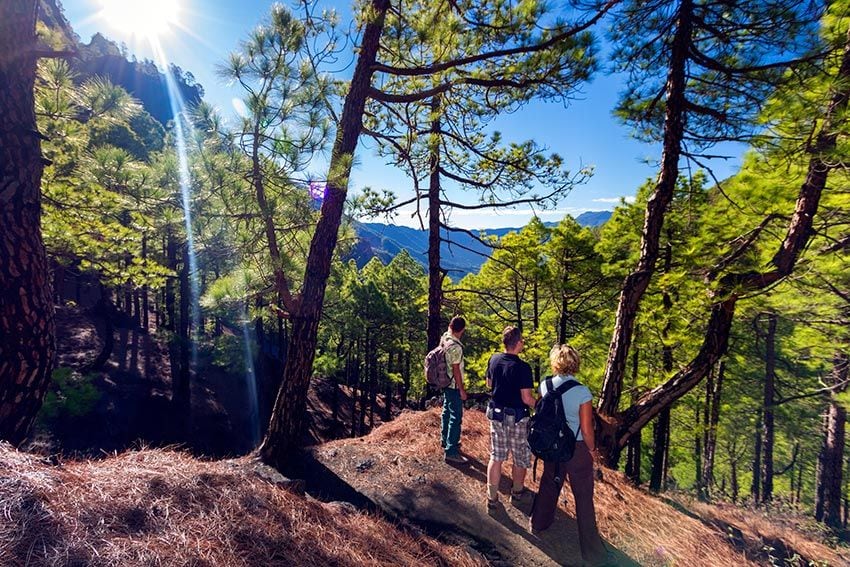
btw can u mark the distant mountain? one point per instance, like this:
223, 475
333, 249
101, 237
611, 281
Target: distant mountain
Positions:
464, 255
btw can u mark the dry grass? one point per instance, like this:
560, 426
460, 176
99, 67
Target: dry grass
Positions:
158, 507
648, 529
762, 530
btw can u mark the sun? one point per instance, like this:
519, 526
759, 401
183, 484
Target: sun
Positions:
145, 18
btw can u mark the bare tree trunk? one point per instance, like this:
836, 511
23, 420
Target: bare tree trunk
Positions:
659, 451
769, 430
562, 321
755, 488
106, 309
733, 480
831, 457
698, 448
27, 332
435, 270
713, 395
145, 290
287, 421
637, 281
634, 452
182, 388
170, 297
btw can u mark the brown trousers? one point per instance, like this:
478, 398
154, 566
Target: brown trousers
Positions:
580, 471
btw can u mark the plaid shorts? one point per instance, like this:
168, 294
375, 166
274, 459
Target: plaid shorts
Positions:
510, 438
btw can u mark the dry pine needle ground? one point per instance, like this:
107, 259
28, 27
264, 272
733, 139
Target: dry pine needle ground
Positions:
158, 507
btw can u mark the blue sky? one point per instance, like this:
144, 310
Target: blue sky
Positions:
584, 133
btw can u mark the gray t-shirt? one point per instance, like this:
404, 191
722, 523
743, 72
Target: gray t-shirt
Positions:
571, 400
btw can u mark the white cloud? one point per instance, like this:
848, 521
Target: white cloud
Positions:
614, 200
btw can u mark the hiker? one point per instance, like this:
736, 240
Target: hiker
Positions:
511, 382
454, 394
578, 411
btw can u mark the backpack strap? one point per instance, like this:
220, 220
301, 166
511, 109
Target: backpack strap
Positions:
560, 390
566, 386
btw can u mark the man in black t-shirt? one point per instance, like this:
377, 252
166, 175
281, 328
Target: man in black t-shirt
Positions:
512, 385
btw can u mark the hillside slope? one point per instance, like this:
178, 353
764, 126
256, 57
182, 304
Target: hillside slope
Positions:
165, 508
463, 255
399, 468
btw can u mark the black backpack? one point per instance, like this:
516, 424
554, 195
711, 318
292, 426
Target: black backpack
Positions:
549, 435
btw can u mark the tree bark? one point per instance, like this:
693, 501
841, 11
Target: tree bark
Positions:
634, 452
435, 270
287, 419
182, 388
106, 309
660, 436
27, 332
768, 425
637, 281
170, 297
713, 395
145, 290
755, 487
831, 457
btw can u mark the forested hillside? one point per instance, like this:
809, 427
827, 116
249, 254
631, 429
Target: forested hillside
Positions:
461, 253
171, 276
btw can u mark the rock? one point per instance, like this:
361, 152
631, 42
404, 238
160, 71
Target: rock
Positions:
365, 465
269, 474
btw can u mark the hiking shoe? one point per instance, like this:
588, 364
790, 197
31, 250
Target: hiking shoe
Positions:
520, 496
492, 504
457, 459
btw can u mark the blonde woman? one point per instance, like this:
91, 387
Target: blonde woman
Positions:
565, 362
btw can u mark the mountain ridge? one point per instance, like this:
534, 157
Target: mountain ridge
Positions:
464, 255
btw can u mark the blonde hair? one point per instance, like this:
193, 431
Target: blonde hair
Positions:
564, 359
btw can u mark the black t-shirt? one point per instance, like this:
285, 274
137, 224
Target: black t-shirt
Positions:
509, 375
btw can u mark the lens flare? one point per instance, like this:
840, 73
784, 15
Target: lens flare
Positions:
148, 19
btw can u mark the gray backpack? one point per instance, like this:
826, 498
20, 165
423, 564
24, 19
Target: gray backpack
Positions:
436, 369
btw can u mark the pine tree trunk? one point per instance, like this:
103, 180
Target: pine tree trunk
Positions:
182, 387
27, 332
698, 449
406, 378
713, 396
637, 281
105, 309
769, 430
755, 488
562, 321
831, 457
145, 291
287, 420
435, 271
634, 452
659, 451
170, 297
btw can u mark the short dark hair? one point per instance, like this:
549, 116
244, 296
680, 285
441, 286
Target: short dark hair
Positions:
511, 336
457, 324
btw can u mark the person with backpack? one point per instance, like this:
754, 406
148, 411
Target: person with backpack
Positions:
577, 411
511, 382
454, 393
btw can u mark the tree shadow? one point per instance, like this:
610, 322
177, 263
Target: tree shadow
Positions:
559, 542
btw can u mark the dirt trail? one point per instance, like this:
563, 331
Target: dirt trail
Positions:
399, 469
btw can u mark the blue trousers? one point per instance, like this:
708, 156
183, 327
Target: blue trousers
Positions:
452, 417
